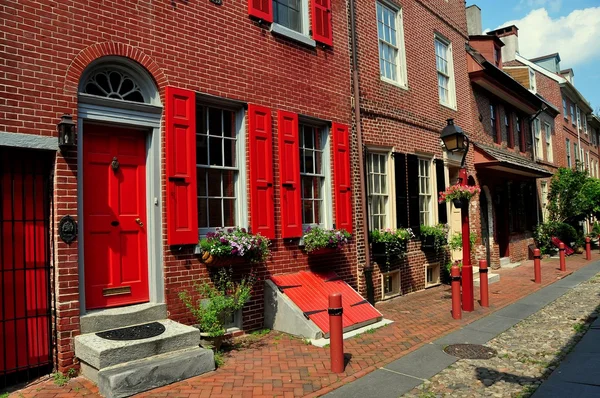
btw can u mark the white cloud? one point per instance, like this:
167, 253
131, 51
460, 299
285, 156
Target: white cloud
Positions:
575, 36
553, 5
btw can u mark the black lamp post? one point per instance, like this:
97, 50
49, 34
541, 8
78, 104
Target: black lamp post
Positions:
455, 140
66, 132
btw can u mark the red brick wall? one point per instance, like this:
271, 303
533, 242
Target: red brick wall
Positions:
199, 46
410, 120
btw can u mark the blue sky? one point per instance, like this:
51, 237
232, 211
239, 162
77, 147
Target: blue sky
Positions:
569, 27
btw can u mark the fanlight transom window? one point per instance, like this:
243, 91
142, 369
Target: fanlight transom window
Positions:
113, 84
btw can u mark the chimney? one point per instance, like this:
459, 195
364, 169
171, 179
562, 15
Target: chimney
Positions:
474, 20
510, 37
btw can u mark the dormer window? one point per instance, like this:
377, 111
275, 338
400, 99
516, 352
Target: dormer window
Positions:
497, 56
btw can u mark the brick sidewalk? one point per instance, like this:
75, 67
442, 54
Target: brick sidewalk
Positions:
279, 365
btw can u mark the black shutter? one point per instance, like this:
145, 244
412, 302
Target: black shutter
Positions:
441, 186
401, 198
412, 163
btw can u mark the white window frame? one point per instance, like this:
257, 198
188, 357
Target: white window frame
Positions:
544, 199
301, 36
390, 216
537, 137
587, 160
532, 83
451, 83
573, 114
585, 125
400, 48
548, 136
326, 172
435, 269
568, 151
431, 220
578, 113
241, 205
565, 109
396, 284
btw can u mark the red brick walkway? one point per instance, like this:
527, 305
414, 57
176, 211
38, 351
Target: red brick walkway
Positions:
279, 365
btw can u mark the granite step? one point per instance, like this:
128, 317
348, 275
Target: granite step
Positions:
492, 278
115, 318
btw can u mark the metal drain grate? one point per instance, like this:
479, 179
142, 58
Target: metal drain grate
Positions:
470, 351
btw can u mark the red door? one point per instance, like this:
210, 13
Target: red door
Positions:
114, 206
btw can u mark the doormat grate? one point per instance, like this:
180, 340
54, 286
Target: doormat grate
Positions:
470, 351
134, 332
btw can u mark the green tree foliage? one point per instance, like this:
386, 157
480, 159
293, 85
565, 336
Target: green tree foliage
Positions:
567, 201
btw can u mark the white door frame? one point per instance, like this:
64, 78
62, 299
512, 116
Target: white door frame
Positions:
127, 114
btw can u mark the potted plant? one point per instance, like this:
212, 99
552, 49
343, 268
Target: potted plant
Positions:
390, 243
227, 246
458, 194
317, 240
433, 237
216, 302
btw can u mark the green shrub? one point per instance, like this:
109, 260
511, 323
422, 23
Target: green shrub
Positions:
445, 277
455, 242
563, 231
218, 301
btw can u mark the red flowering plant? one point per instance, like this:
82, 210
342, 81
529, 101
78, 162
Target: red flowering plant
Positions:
458, 192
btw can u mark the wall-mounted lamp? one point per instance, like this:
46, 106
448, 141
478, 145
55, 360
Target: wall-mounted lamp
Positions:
66, 132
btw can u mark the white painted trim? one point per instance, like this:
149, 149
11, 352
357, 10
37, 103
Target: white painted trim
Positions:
292, 34
401, 67
538, 68
129, 118
32, 141
451, 104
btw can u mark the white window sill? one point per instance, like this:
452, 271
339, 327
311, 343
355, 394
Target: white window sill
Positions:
292, 34
394, 82
449, 106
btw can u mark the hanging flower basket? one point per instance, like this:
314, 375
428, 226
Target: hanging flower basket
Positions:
458, 203
458, 192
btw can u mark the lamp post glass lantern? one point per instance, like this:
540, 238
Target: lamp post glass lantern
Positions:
455, 140
66, 132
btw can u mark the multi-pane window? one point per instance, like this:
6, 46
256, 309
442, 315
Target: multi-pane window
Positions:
312, 175
585, 127
497, 55
573, 114
494, 123
565, 112
519, 134
443, 63
568, 150
217, 168
507, 127
548, 131
578, 118
378, 190
288, 13
576, 153
538, 139
391, 283
587, 160
425, 200
389, 31
532, 85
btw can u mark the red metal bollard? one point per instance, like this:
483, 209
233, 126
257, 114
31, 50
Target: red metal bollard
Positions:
336, 338
455, 276
588, 248
561, 254
483, 283
537, 265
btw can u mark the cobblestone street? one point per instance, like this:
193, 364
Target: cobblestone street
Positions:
527, 353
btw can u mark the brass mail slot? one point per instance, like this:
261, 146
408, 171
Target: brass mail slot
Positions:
116, 291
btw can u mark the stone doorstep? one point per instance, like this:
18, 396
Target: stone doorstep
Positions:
145, 374
115, 318
492, 278
101, 353
511, 265
504, 261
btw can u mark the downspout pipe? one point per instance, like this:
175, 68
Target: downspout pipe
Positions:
367, 268
531, 120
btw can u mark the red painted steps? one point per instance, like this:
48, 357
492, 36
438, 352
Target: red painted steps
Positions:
310, 292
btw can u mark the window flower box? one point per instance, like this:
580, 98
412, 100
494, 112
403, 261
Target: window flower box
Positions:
433, 238
317, 240
232, 246
390, 243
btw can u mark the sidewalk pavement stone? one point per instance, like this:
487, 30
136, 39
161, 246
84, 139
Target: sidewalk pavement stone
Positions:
529, 352
280, 365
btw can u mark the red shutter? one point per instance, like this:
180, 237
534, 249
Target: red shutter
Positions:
262, 207
289, 175
321, 21
261, 9
182, 204
342, 180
